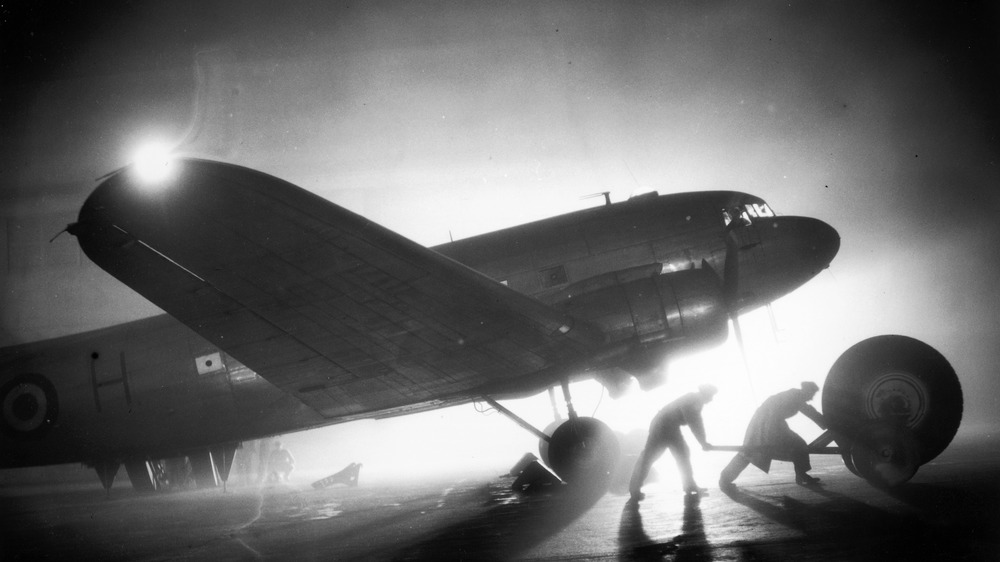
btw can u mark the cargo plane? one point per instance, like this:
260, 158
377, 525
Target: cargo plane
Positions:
287, 312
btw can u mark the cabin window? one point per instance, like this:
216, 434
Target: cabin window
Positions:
746, 213
553, 276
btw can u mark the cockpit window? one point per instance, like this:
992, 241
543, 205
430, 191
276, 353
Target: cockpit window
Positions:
746, 213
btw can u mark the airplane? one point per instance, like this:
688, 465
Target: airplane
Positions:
287, 312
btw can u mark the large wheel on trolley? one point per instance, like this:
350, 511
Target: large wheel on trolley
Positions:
892, 399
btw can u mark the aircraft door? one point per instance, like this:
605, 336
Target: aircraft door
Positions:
110, 381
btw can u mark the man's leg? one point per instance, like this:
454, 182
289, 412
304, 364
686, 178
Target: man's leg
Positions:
649, 455
798, 453
800, 460
682, 454
733, 469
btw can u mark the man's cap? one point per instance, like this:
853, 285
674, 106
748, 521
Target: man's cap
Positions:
708, 390
810, 386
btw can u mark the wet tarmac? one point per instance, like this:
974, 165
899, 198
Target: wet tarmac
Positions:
949, 511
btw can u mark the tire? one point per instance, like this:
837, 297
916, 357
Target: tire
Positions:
899, 382
848, 460
583, 451
543, 444
886, 457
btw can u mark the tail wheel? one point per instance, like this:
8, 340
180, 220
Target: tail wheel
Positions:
582, 451
895, 382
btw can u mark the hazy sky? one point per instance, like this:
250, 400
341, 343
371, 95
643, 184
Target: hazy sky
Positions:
432, 118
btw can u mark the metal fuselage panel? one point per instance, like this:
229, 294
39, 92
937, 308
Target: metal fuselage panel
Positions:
150, 387
539, 259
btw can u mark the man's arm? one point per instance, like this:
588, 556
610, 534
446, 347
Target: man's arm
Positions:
692, 415
814, 415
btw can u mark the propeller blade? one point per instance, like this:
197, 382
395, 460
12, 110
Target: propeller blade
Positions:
738, 332
743, 351
731, 273
731, 293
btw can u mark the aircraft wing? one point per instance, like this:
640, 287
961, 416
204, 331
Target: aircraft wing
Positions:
348, 316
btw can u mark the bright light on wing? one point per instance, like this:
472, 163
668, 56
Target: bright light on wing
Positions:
153, 162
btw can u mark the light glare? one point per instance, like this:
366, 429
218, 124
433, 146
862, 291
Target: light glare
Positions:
153, 162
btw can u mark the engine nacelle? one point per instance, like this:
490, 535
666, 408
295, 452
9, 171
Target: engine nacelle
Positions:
650, 308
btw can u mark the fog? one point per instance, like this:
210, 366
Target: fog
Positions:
444, 119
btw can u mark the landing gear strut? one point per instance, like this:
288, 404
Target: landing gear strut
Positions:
580, 450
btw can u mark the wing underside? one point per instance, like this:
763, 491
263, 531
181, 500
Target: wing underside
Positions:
344, 314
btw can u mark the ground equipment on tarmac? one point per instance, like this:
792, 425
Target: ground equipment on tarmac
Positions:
892, 404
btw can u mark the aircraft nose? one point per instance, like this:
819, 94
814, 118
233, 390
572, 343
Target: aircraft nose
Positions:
817, 243
780, 254
805, 243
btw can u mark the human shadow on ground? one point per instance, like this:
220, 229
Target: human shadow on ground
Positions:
969, 513
838, 526
689, 546
633, 541
692, 544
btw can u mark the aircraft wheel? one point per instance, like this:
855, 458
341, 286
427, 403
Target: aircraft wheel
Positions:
900, 382
886, 456
543, 444
582, 451
849, 463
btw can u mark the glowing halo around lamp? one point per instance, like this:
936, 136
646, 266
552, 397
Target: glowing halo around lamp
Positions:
153, 162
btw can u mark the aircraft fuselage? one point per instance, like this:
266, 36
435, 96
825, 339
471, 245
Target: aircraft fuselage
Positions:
154, 388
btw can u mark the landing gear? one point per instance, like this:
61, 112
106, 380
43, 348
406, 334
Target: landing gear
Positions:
581, 450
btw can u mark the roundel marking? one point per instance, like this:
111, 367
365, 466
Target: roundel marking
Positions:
28, 406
